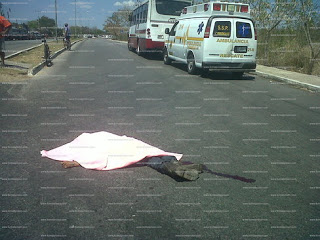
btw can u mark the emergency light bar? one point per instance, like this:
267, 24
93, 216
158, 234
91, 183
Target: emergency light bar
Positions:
231, 7
218, 7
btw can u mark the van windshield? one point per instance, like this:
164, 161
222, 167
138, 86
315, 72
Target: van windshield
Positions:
171, 7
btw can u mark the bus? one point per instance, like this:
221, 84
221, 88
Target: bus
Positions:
148, 22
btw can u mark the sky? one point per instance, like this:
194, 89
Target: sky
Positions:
92, 13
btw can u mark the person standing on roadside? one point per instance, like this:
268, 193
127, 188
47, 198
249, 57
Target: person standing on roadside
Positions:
5, 27
67, 34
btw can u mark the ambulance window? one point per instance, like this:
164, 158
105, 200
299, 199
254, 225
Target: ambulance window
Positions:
222, 29
243, 30
174, 29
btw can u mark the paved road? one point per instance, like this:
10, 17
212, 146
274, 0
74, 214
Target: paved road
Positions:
253, 128
15, 46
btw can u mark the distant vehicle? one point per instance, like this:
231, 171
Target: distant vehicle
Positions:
23, 34
148, 22
215, 35
13, 34
18, 34
35, 35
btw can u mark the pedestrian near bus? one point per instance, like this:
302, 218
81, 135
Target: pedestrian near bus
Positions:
5, 27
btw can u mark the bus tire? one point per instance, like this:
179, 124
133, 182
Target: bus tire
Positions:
138, 50
166, 59
237, 75
130, 48
191, 64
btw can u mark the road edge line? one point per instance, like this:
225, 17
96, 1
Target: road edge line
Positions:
289, 81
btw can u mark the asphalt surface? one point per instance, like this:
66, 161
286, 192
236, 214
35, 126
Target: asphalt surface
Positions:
254, 128
18, 45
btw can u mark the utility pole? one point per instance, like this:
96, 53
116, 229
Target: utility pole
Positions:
38, 11
75, 17
55, 5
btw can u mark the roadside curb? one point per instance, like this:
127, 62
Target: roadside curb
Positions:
289, 81
118, 41
33, 71
22, 51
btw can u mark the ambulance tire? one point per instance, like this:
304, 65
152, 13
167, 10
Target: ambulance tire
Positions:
166, 59
192, 69
237, 75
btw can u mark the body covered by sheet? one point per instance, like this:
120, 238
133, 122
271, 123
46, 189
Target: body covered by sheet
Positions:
105, 151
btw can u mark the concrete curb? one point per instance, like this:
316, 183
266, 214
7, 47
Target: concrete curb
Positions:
33, 71
22, 51
289, 81
118, 41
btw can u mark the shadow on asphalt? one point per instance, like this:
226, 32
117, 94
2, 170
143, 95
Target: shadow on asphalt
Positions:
212, 75
144, 163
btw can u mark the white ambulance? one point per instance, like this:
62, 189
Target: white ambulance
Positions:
216, 35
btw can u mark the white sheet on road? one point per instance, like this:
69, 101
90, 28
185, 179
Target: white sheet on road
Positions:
105, 151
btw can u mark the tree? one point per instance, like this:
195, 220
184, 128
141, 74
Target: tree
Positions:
34, 25
307, 13
268, 15
44, 25
118, 23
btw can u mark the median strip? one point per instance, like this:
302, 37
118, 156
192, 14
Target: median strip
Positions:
28, 62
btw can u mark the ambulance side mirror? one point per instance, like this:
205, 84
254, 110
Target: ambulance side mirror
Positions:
167, 31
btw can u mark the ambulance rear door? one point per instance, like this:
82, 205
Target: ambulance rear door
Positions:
244, 43
218, 38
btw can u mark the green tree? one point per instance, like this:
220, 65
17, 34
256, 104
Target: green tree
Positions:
44, 25
118, 24
34, 25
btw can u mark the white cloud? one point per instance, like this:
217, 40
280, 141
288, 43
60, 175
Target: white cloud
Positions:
84, 5
129, 3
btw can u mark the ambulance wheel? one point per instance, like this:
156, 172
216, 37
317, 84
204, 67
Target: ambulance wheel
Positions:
130, 48
192, 69
237, 75
166, 58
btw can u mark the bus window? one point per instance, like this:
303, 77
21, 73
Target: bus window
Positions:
171, 7
222, 29
243, 30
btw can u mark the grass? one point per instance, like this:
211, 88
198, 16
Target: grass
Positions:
9, 75
33, 57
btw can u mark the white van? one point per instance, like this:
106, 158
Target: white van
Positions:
217, 35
